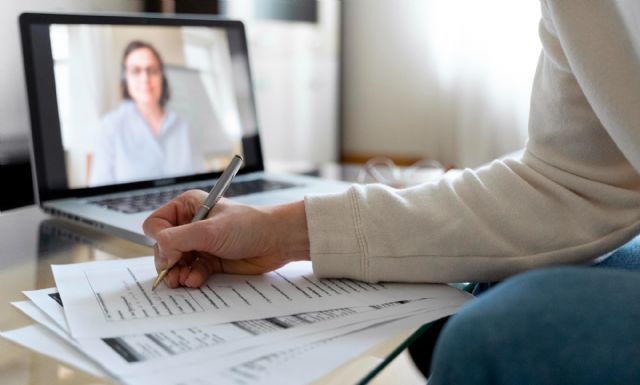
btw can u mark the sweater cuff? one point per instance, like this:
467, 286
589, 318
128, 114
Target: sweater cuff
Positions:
334, 235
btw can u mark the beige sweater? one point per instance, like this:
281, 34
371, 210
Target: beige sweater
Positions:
574, 195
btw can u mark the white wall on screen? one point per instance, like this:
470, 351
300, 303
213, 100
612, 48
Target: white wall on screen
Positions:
13, 97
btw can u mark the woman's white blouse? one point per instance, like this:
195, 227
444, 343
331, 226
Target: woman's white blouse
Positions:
126, 150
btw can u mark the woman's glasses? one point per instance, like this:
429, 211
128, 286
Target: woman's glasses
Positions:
138, 71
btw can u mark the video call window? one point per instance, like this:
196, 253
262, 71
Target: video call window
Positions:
144, 102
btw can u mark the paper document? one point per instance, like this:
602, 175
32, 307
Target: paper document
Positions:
241, 329
33, 312
41, 340
293, 360
137, 354
297, 362
147, 352
289, 360
49, 301
110, 298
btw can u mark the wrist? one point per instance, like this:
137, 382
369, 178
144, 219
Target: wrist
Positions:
291, 231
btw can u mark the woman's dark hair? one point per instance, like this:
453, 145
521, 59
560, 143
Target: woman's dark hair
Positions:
132, 46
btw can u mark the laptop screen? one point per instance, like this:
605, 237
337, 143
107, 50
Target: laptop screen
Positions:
119, 101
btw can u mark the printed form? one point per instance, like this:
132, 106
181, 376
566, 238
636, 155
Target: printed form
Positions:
113, 298
295, 360
273, 350
49, 301
146, 352
43, 341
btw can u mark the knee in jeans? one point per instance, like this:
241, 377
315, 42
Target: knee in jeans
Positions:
487, 322
543, 278
464, 331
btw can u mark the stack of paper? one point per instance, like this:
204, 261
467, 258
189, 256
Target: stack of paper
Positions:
283, 327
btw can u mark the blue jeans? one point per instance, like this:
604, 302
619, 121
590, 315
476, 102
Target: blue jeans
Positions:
569, 325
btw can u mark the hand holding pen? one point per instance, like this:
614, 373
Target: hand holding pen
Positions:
233, 239
218, 190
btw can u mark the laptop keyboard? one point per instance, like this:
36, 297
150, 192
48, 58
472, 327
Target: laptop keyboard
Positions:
152, 200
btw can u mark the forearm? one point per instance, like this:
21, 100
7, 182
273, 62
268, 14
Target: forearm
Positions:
484, 226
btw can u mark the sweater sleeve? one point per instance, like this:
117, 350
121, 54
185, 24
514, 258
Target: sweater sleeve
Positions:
573, 196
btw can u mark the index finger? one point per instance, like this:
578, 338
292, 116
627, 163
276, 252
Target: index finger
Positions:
176, 212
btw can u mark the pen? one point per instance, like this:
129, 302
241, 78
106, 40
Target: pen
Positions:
214, 196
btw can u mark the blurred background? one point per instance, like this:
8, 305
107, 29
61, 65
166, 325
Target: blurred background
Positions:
341, 80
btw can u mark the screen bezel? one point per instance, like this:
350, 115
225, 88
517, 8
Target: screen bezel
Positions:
36, 76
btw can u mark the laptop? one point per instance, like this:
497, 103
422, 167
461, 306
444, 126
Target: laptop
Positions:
129, 111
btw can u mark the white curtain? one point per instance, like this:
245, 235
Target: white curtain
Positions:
83, 94
443, 79
484, 55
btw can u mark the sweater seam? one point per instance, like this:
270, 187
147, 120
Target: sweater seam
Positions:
362, 243
338, 253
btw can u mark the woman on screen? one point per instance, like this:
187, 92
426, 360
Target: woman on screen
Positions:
142, 138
